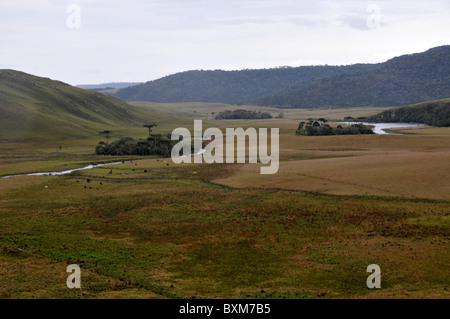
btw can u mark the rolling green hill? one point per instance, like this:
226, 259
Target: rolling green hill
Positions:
435, 113
403, 80
34, 107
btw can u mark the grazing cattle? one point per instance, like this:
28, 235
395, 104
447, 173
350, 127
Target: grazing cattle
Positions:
145, 171
88, 180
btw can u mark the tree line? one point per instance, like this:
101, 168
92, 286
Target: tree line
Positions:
242, 114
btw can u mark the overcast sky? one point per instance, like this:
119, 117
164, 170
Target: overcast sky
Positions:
97, 41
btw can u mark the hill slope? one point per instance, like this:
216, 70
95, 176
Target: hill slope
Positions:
35, 107
399, 81
435, 113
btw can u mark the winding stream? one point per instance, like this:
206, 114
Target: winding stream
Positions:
379, 128
90, 166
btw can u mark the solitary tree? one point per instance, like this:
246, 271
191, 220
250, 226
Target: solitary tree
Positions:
149, 126
107, 135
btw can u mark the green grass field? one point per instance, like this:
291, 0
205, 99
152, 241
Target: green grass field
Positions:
153, 229
170, 233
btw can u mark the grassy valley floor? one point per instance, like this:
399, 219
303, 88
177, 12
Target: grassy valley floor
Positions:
153, 229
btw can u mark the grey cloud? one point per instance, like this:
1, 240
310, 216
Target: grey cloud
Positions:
356, 22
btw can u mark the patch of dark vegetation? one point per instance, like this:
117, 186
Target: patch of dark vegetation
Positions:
242, 114
155, 144
314, 128
160, 145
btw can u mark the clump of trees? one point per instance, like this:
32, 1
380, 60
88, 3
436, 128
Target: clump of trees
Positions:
154, 144
242, 114
315, 128
157, 145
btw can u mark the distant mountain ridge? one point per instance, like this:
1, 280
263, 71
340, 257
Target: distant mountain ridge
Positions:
112, 85
399, 81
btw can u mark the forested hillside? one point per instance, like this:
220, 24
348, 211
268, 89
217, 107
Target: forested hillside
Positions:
403, 80
435, 113
230, 87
